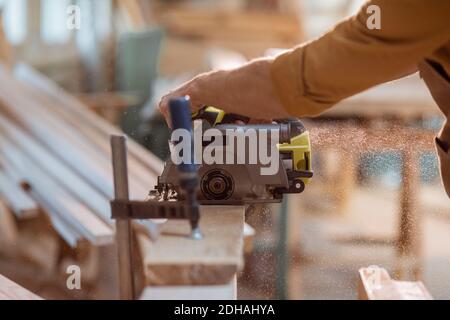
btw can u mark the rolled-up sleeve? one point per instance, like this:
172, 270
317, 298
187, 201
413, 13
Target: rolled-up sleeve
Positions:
352, 58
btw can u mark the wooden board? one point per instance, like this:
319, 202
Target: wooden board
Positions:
84, 117
83, 136
69, 148
58, 170
8, 229
376, 284
20, 203
12, 291
175, 259
65, 141
62, 227
52, 195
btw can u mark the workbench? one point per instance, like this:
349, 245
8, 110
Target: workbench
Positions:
176, 265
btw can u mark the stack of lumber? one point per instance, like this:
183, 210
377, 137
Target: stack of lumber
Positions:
55, 157
51, 144
12, 291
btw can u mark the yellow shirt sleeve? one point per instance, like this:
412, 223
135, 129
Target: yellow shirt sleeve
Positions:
352, 58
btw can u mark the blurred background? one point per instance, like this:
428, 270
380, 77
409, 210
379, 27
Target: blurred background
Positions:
376, 197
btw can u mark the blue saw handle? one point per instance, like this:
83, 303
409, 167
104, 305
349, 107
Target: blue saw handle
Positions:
180, 114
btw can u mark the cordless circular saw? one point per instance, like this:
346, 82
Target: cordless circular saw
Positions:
236, 178
242, 181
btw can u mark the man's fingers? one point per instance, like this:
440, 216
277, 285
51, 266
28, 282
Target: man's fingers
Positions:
164, 109
164, 105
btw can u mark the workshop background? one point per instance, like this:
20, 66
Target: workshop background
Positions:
375, 199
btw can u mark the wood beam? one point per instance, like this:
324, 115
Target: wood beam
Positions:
80, 113
18, 200
89, 140
8, 229
74, 213
63, 140
77, 148
61, 226
12, 291
175, 259
58, 170
374, 283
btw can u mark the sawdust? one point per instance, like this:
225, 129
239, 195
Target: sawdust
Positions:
359, 139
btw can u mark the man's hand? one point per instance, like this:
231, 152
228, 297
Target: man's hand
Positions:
246, 91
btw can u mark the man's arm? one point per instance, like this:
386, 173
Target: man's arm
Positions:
314, 76
352, 58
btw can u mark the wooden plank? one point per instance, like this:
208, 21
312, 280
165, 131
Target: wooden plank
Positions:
58, 170
74, 153
141, 178
88, 132
84, 116
87, 155
374, 283
8, 229
54, 196
61, 173
175, 259
67, 144
38, 244
12, 291
18, 200
70, 236
63, 228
